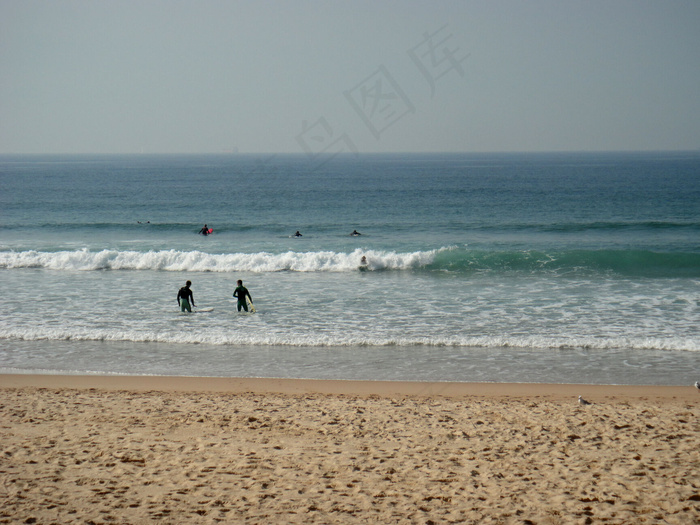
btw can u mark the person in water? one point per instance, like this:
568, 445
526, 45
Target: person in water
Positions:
297, 234
205, 230
355, 233
185, 297
240, 293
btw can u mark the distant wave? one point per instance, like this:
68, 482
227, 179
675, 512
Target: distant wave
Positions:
587, 226
638, 263
448, 259
134, 226
222, 227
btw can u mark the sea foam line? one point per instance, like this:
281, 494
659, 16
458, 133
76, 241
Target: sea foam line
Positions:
585, 343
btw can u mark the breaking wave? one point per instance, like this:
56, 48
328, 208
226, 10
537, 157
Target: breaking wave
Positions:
446, 259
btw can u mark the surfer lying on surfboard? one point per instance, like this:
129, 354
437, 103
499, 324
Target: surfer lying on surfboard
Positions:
241, 293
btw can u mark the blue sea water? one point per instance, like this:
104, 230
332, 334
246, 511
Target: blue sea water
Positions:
566, 267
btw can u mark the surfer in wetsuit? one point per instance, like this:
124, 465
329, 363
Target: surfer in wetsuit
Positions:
205, 230
363, 264
240, 293
355, 233
185, 297
297, 234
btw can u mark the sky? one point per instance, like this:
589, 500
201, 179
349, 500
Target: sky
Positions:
319, 77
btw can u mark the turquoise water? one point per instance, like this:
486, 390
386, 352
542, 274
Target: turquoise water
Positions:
509, 267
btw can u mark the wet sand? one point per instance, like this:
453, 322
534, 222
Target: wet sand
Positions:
91, 449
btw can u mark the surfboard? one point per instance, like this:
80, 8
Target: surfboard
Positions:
211, 230
251, 308
202, 310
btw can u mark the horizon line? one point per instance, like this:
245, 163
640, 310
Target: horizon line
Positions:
357, 154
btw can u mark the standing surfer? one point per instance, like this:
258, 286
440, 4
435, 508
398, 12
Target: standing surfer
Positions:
185, 297
241, 293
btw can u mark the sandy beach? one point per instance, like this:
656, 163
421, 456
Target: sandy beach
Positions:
90, 449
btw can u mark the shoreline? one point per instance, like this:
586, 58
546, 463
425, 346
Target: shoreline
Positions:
344, 387
396, 363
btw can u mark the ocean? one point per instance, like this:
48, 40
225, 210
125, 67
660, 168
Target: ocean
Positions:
555, 268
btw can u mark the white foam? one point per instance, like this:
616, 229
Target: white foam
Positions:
172, 260
278, 337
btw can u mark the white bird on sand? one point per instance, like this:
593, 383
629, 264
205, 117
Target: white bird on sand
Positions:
583, 402
697, 385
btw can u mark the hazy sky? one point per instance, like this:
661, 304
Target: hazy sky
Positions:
321, 76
